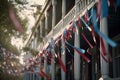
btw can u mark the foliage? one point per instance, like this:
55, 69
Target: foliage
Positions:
7, 30
10, 77
28, 49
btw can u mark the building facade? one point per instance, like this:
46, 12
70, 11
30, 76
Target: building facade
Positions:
76, 40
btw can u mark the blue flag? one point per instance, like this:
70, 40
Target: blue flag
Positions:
117, 2
95, 24
104, 8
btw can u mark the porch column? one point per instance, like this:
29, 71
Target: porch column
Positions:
53, 66
46, 22
76, 55
52, 61
63, 8
30, 75
104, 64
25, 75
35, 41
63, 57
41, 26
40, 67
63, 54
33, 76
45, 64
54, 2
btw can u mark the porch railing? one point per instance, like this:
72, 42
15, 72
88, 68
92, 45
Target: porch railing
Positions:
76, 10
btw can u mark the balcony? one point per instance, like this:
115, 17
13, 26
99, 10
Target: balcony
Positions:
79, 9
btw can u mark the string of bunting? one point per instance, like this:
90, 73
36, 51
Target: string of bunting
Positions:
44, 74
61, 63
95, 14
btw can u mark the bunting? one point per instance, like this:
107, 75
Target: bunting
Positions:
79, 51
103, 47
117, 2
61, 63
86, 25
94, 21
44, 74
102, 11
104, 8
89, 52
87, 40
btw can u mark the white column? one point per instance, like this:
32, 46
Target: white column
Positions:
52, 62
45, 64
63, 57
30, 76
40, 67
104, 64
53, 24
41, 26
46, 22
35, 43
54, 2
52, 67
76, 55
63, 8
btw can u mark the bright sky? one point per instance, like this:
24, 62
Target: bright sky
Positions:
18, 41
31, 22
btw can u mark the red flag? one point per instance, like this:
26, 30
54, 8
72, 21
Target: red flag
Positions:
87, 40
112, 2
86, 17
104, 58
61, 63
99, 8
103, 46
93, 34
89, 52
44, 74
82, 55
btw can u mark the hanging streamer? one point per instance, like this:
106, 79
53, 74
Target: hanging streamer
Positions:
87, 40
66, 34
104, 8
79, 51
75, 27
89, 52
93, 34
86, 17
86, 25
82, 55
109, 59
103, 47
44, 74
79, 22
106, 38
117, 2
61, 63
112, 2
69, 51
105, 59
57, 41
98, 9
